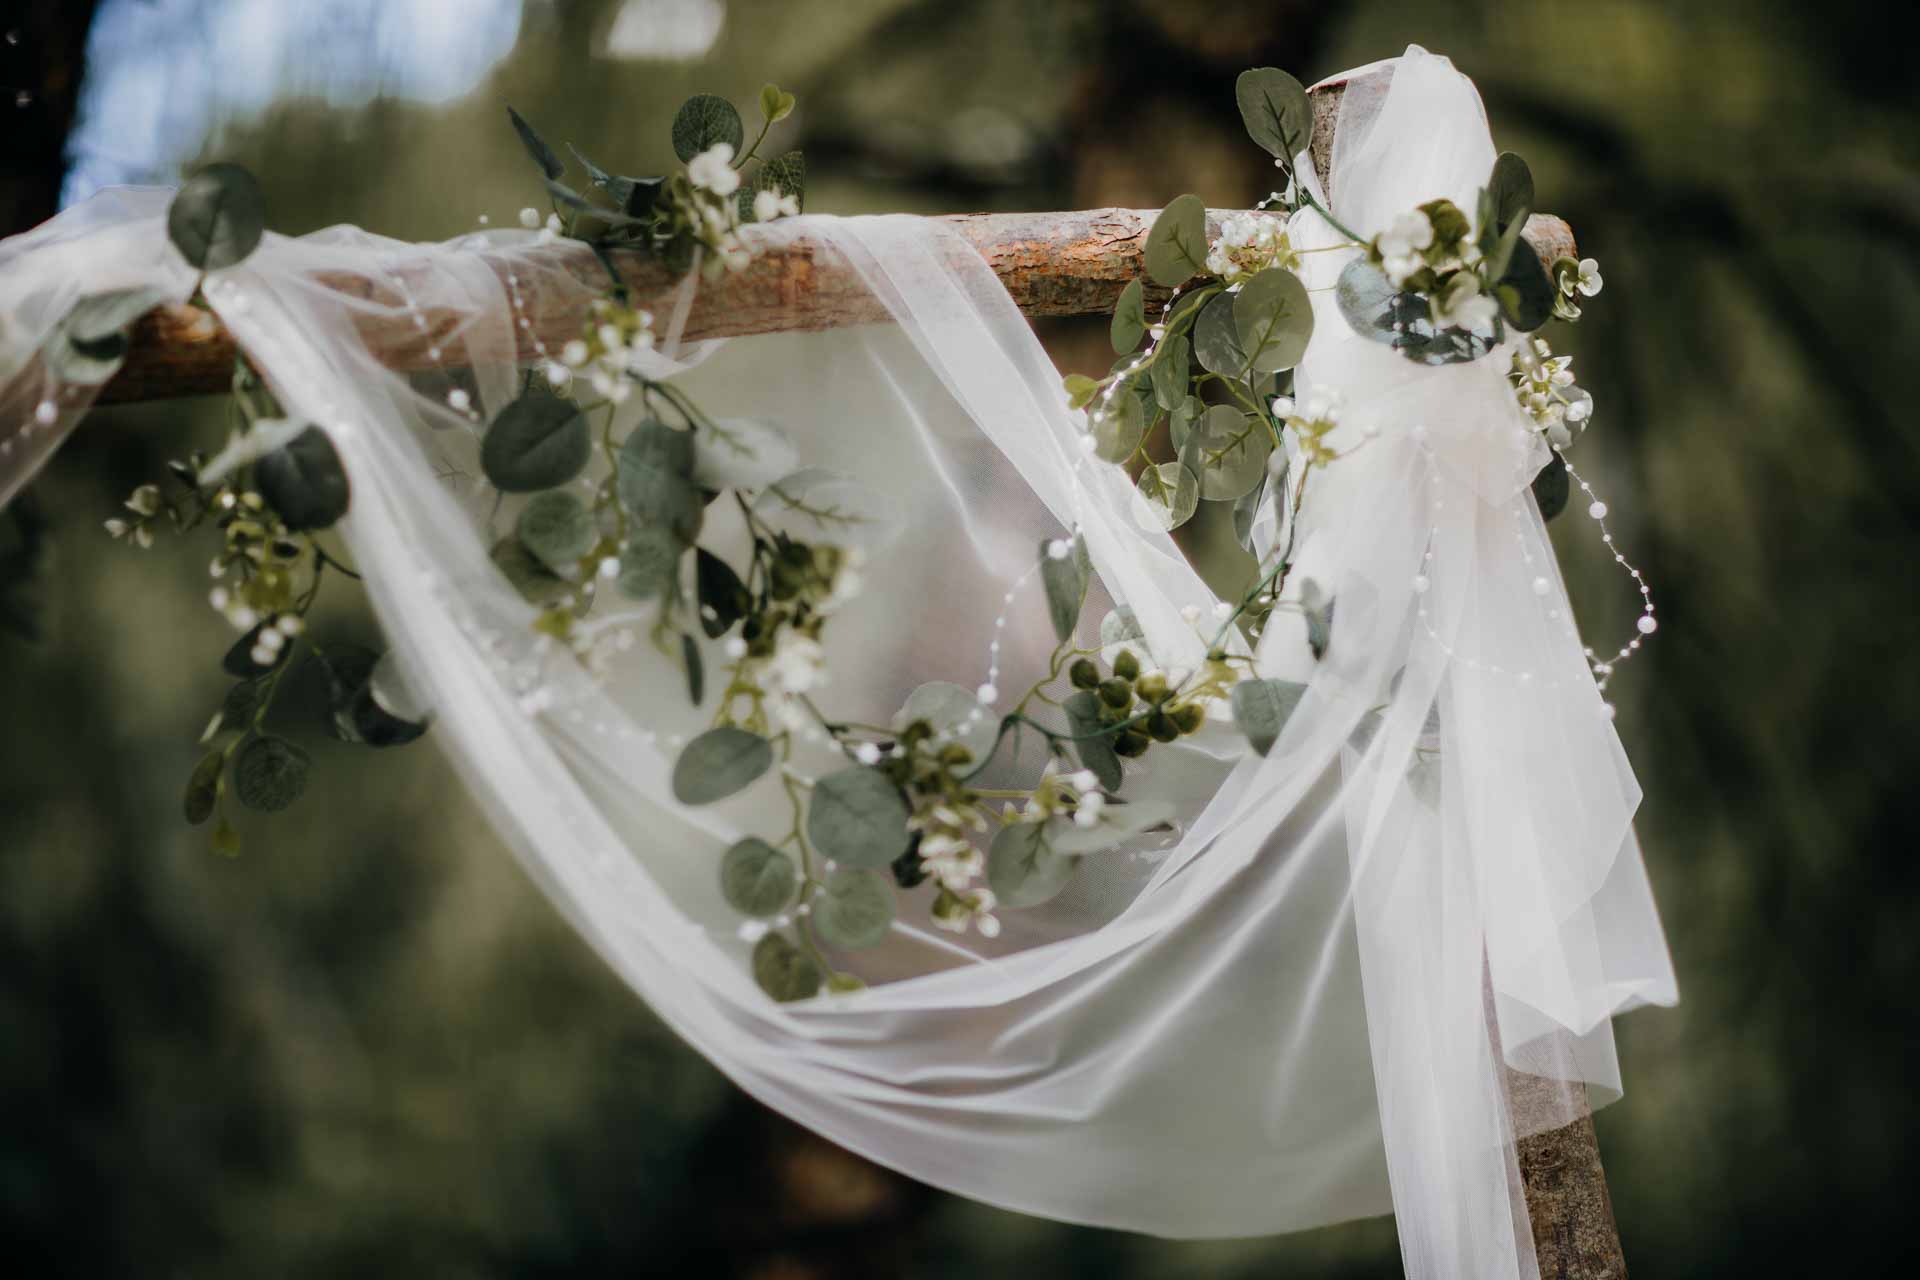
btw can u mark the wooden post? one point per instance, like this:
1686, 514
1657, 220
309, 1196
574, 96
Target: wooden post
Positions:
1052, 264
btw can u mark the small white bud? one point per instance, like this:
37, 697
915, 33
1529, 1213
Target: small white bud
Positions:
529, 218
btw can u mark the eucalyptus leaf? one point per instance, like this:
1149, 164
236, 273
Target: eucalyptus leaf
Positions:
1165, 496
539, 441
1065, 580
786, 174
649, 563
852, 910
1364, 295
784, 971
741, 453
1552, 487
1318, 610
304, 481
696, 669
815, 502
1525, 293
1169, 373
1227, 449
1275, 109
656, 479
1129, 318
1262, 708
1216, 339
1510, 189
1023, 869
543, 155
203, 788
723, 597
858, 817
269, 773
1274, 319
1118, 427
559, 529
1177, 245
703, 120
719, 763
1118, 823
217, 217
1094, 747
532, 579
757, 879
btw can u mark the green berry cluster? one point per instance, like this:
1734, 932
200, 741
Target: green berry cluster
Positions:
1150, 708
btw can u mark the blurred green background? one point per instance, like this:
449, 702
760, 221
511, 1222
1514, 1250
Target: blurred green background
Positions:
368, 1046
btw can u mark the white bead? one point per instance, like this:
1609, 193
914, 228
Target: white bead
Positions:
987, 694
1541, 586
1421, 584
1598, 511
1647, 624
459, 399
46, 412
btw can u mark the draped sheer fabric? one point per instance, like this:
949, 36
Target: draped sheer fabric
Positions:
1299, 1007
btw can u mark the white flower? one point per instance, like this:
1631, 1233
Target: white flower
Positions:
1088, 812
1405, 235
798, 663
867, 753
766, 205
558, 375
1476, 312
1282, 406
574, 353
1588, 281
1084, 781
713, 169
1059, 549
529, 218
554, 224
1398, 266
145, 500
117, 528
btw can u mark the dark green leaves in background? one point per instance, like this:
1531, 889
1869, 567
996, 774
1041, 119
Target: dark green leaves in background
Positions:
1275, 109
304, 481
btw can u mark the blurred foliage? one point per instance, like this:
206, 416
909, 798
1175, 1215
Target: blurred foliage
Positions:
370, 1046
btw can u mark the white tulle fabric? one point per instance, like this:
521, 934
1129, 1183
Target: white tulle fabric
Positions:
1301, 1008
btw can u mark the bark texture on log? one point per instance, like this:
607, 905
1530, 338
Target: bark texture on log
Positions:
1053, 264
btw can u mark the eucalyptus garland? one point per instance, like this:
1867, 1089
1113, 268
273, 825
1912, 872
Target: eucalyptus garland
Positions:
903, 806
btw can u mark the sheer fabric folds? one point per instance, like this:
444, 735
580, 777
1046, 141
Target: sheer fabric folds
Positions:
1297, 1009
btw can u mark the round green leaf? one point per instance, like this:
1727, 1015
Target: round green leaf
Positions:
1227, 449
1262, 707
1094, 748
718, 763
757, 879
1275, 109
858, 817
854, 909
784, 971
529, 577
703, 120
203, 787
1510, 188
1170, 380
1129, 318
1118, 427
304, 481
538, 442
1365, 297
1216, 339
1177, 245
558, 528
649, 563
1525, 292
1165, 497
269, 773
1065, 580
656, 479
1023, 870
217, 217
1274, 318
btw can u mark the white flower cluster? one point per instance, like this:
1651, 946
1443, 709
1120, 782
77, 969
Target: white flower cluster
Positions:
144, 503
1312, 421
608, 350
1544, 389
1249, 244
714, 181
949, 855
1403, 244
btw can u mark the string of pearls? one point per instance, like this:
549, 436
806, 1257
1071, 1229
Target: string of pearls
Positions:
1542, 586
